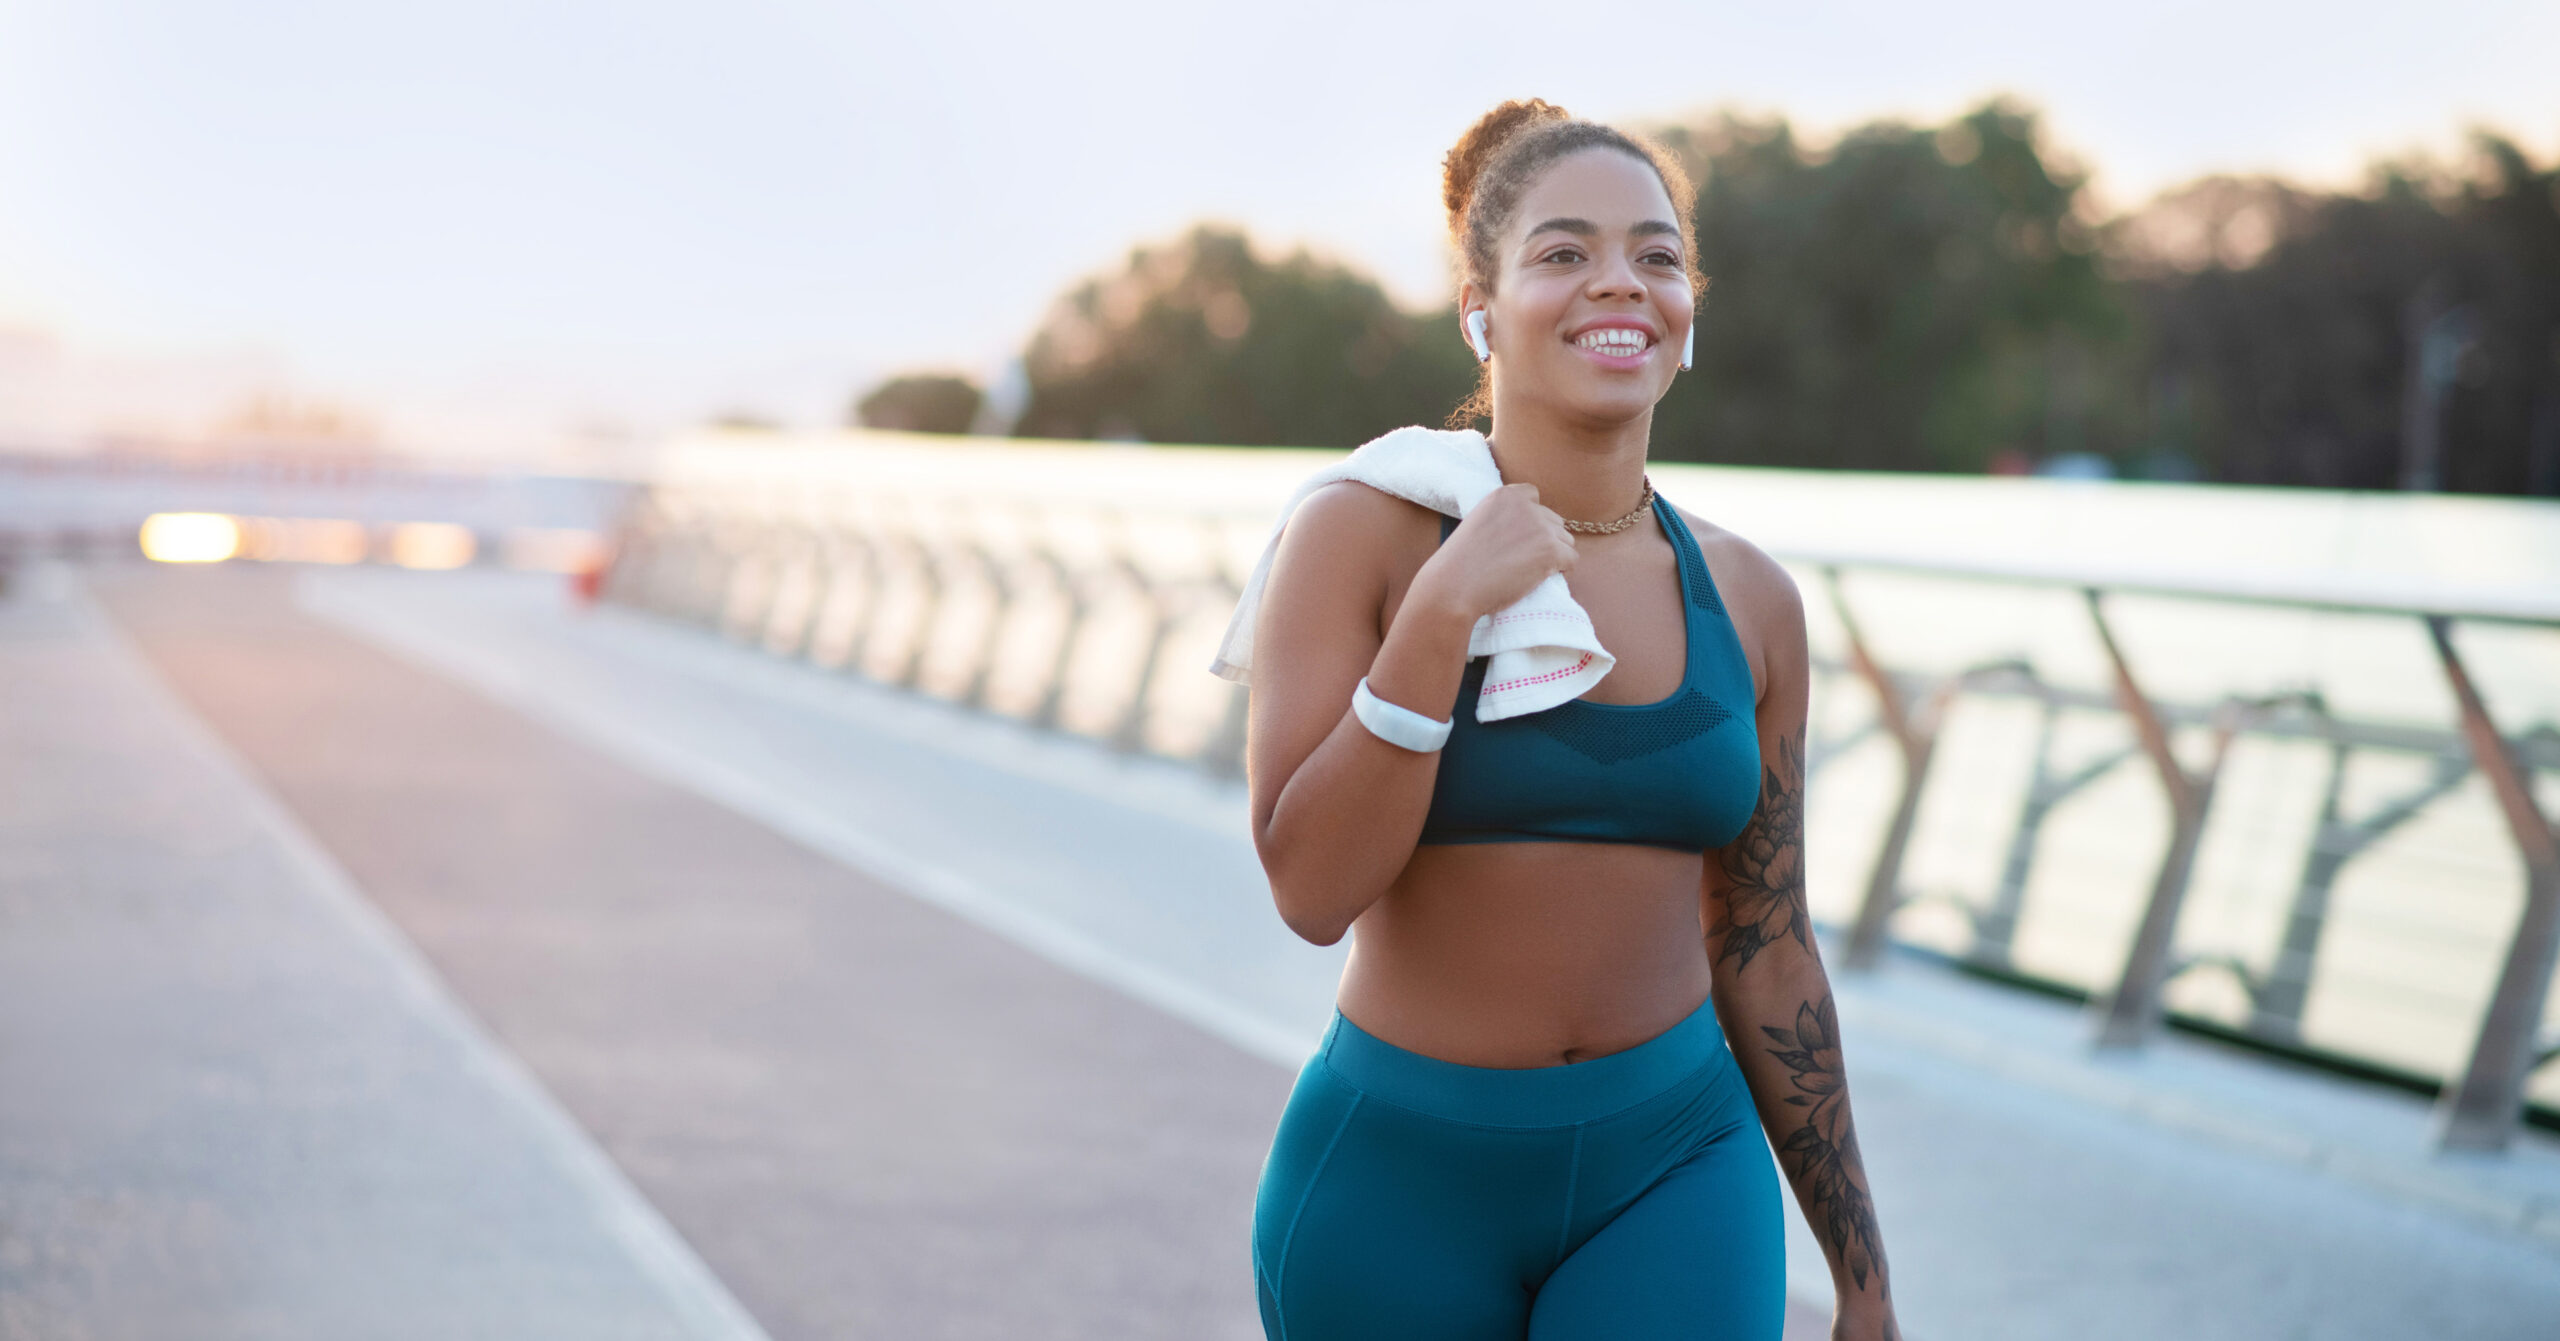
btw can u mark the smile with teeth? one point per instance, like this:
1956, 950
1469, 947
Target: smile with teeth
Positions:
1619, 341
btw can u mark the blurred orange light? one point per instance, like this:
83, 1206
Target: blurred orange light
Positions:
303, 540
323, 540
190, 537
260, 538
432, 545
549, 550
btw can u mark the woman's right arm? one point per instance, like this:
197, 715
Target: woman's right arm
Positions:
1336, 811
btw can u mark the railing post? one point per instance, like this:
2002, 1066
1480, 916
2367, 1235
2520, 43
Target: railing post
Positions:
1076, 589
2128, 1014
920, 647
2480, 1109
1916, 732
783, 632
991, 643
1164, 605
1222, 755
833, 545
1883, 894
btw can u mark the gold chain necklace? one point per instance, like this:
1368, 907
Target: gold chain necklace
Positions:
1613, 527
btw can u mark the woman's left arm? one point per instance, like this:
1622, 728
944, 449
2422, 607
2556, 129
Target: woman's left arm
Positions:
1771, 993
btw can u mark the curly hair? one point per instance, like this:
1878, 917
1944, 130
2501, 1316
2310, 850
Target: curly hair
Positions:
1491, 167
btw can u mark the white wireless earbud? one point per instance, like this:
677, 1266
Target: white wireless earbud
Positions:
1475, 336
1688, 347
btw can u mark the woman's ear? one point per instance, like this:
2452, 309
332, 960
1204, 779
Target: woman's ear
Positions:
1472, 321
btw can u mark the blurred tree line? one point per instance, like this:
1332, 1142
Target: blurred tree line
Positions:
2406, 336
1204, 341
922, 403
1918, 298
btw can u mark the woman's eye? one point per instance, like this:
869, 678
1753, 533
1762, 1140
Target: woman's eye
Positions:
1661, 258
1564, 256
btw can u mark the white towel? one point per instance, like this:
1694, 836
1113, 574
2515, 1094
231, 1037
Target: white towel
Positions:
1543, 648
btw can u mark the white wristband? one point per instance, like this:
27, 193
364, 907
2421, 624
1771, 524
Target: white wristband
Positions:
1397, 726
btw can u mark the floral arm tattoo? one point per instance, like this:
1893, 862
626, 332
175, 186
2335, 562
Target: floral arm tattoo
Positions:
1763, 901
1822, 1155
1799, 1082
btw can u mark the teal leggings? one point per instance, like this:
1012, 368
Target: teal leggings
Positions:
1629, 1197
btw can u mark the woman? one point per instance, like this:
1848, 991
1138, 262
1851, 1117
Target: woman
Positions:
1526, 1119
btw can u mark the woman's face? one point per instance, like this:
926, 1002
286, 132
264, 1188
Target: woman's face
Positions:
1591, 298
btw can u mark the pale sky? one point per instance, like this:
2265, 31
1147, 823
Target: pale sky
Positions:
540, 213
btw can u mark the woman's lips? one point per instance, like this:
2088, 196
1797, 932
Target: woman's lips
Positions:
1615, 346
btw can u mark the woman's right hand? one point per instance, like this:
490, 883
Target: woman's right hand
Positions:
1507, 544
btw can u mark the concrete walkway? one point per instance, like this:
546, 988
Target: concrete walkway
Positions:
233, 1102
2026, 1188
870, 1117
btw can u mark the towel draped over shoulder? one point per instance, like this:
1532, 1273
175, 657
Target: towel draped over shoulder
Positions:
1543, 649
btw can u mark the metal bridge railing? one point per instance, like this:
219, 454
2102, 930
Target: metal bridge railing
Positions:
931, 601
2482, 1105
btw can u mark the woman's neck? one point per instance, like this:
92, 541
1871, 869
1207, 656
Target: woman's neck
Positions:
1585, 472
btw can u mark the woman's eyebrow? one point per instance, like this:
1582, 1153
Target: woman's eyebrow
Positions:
1578, 227
1586, 228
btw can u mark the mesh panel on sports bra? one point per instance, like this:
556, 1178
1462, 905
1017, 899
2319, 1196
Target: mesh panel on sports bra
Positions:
1702, 593
1611, 738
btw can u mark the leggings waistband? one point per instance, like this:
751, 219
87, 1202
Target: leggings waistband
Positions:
1538, 1096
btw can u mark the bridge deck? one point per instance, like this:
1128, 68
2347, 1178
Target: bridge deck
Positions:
915, 1024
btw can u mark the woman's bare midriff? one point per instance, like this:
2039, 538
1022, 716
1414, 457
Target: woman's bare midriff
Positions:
1519, 955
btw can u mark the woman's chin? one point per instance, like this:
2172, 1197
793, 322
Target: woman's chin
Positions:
1590, 397
1614, 405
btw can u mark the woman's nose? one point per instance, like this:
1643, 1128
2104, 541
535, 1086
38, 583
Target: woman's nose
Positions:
1617, 277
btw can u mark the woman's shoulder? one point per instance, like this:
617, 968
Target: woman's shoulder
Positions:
1745, 574
1349, 534
1351, 506
1353, 519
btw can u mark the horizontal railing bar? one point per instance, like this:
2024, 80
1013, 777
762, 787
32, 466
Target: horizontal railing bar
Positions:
2538, 747
2535, 607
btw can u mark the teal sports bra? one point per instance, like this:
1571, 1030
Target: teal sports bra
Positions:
1681, 772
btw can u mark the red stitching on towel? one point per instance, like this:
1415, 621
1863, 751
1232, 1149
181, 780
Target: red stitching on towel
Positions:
1508, 685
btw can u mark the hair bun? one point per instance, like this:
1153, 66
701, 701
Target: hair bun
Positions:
1465, 162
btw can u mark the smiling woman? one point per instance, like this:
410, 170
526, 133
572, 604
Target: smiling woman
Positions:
1582, 963
1484, 179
